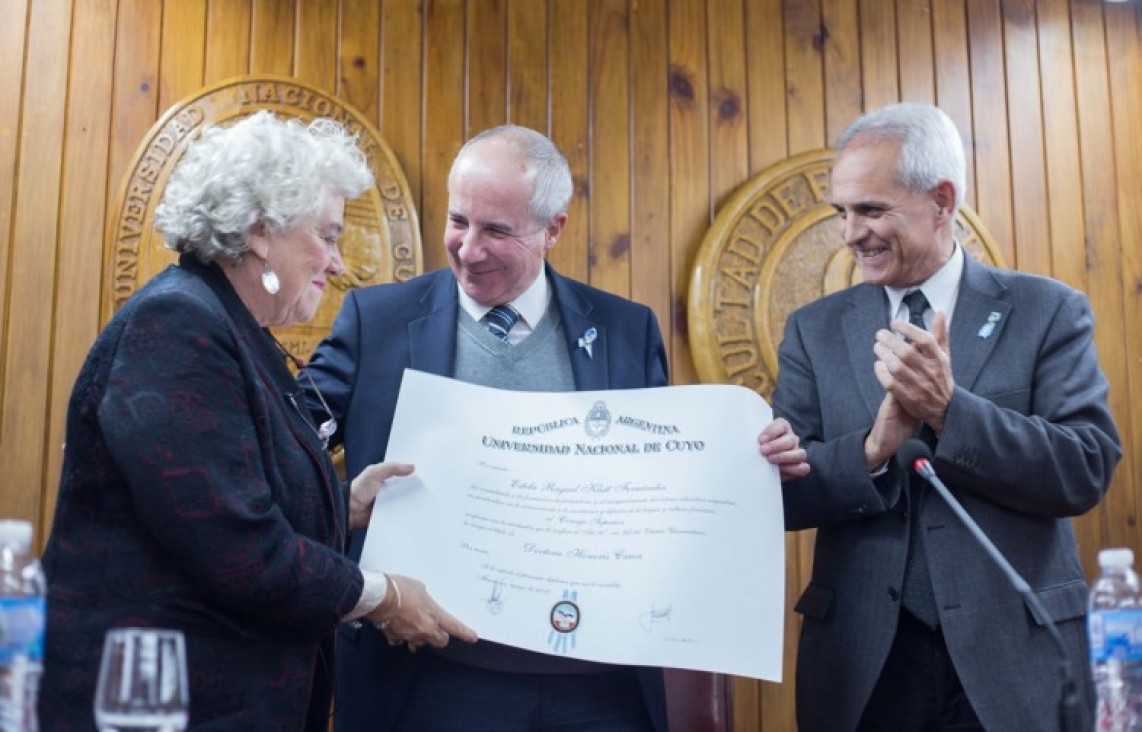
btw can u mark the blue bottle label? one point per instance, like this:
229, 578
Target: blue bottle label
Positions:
21, 628
1116, 634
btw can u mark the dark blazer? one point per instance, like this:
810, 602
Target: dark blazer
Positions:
1028, 442
194, 496
384, 329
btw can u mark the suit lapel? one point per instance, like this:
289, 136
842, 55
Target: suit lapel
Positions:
980, 319
867, 313
432, 337
589, 371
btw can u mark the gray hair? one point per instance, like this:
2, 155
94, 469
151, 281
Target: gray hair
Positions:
931, 149
553, 185
259, 170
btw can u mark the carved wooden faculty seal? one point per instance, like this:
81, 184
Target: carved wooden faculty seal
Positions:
774, 247
381, 241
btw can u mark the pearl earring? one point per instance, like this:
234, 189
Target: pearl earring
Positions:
270, 280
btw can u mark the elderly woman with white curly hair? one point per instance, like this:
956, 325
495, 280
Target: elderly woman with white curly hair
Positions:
195, 494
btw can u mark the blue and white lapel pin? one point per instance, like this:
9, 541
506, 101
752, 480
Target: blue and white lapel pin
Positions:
988, 328
587, 339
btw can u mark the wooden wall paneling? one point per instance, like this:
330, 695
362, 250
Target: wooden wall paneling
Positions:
486, 93
992, 151
528, 64
316, 43
609, 66
444, 118
880, 63
917, 56
271, 37
13, 30
134, 102
227, 39
953, 80
1124, 45
359, 57
841, 48
650, 161
83, 195
182, 62
729, 129
690, 213
402, 110
765, 70
1028, 157
1064, 203
570, 127
1104, 249
805, 43
33, 256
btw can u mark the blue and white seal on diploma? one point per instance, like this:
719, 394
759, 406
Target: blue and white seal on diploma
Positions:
564, 620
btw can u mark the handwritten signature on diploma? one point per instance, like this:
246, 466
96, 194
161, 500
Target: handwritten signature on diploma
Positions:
495, 601
654, 616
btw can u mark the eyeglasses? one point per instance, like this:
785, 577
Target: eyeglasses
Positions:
326, 429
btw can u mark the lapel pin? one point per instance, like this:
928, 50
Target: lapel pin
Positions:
587, 339
988, 328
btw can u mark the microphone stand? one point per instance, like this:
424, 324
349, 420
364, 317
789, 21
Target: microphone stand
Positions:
915, 454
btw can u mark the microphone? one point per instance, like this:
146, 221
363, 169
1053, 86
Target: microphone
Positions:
915, 456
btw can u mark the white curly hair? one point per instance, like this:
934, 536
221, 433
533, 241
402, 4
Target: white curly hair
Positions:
261, 170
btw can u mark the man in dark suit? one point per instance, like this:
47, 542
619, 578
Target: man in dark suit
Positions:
908, 625
508, 194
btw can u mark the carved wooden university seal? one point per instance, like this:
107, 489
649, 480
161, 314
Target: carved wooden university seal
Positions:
381, 241
774, 247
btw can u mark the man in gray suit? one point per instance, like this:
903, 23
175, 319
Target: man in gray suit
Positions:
907, 623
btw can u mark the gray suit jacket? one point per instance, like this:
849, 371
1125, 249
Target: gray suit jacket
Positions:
1028, 442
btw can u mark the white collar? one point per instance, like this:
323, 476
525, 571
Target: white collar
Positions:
941, 288
531, 304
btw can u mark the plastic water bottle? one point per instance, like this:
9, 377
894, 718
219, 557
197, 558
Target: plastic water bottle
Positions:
22, 605
1115, 624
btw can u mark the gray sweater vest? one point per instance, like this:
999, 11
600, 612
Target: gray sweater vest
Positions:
539, 362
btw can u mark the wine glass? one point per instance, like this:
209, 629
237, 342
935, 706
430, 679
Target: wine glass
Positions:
142, 681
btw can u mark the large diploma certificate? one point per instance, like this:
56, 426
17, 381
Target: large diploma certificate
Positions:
633, 526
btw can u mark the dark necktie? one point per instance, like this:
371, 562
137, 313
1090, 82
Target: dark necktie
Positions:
917, 304
918, 597
500, 320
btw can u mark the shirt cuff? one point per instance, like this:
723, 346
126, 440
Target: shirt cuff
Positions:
372, 594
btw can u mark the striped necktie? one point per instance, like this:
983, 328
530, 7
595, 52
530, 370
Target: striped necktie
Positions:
500, 320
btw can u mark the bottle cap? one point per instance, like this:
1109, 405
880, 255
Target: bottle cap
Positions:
1119, 557
16, 533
